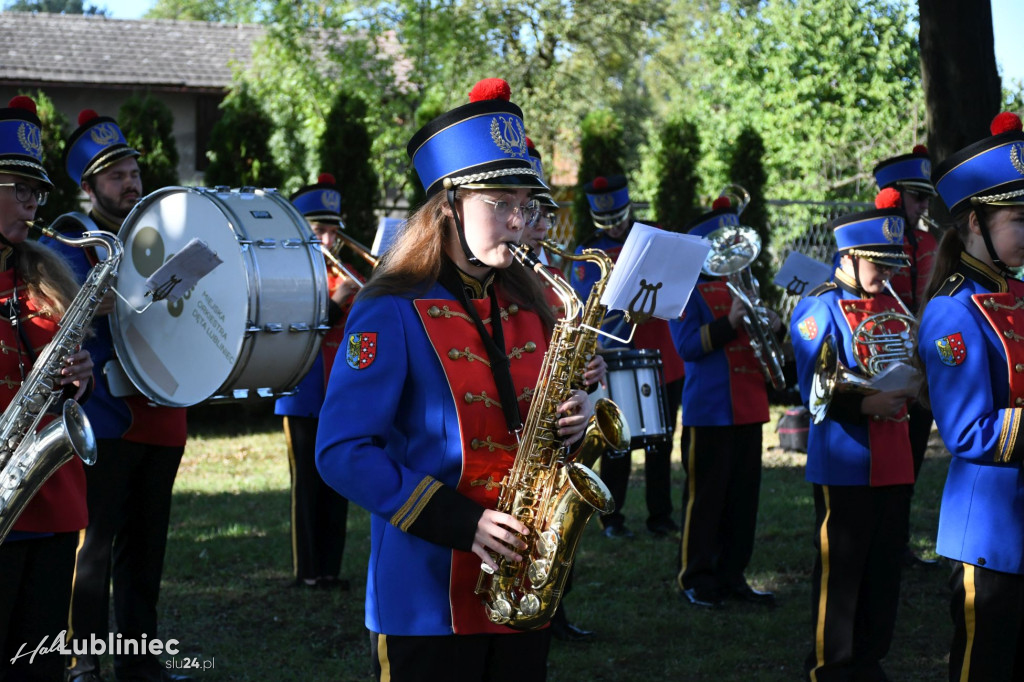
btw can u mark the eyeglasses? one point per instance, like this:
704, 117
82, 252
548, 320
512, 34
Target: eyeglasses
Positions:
504, 210
23, 192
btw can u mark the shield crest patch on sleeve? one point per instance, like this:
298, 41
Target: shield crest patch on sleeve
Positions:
952, 350
362, 349
808, 329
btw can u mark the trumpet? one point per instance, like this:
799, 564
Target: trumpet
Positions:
733, 249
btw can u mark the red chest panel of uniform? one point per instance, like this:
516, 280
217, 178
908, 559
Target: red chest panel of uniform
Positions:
889, 441
857, 310
335, 336
487, 446
59, 506
1005, 314
746, 378
909, 283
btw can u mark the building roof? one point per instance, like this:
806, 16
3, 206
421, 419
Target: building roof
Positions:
75, 50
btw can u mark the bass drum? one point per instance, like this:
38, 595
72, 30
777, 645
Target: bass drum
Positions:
250, 328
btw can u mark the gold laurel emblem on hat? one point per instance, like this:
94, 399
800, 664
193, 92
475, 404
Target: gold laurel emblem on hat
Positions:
104, 134
603, 202
331, 201
892, 228
509, 135
1017, 156
30, 139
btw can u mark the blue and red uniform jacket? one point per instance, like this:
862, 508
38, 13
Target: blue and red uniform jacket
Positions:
652, 334
910, 283
971, 342
847, 447
308, 397
428, 450
59, 506
724, 385
133, 418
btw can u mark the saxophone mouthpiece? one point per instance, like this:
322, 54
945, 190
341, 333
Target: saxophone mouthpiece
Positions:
39, 225
525, 255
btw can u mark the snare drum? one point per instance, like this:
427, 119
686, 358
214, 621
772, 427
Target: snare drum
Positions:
250, 328
636, 384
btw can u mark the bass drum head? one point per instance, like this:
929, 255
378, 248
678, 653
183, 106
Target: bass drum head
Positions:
180, 353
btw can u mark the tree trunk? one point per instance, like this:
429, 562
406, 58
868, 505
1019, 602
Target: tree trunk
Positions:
962, 87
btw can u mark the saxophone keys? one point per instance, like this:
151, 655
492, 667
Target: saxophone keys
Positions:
500, 612
538, 572
529, 605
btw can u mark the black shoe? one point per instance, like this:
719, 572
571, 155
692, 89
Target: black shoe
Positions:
618, 532
911, 560
746, 593
705, 600
330, 582
567, 632
663, 528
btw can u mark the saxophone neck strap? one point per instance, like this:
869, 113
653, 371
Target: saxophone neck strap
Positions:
494, 343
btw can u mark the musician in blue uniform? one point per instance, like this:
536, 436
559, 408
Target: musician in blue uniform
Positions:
37, 559
858, 454
447, 339
140, 444
725, 402
970, 344
319, 514
904, 182
612, 212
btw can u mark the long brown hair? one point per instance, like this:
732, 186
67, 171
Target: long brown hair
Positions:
413, 264
51, 283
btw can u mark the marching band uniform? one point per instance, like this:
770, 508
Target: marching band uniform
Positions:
973, 357
427, 461
859, 467
37, 559
140, 446
905, 182
725, 402
318, 513
611, 209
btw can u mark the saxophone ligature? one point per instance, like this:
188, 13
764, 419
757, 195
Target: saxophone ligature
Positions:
27, 457
545, 489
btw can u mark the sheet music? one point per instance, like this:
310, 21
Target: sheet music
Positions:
800, 274
182, 270
655, 272
897, 376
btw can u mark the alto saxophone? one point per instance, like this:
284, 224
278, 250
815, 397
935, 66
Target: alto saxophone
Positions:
610, 428
550, 494
28, 458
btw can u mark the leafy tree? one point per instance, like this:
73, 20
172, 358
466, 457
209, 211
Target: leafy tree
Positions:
675, 199
55, 7
429, 109
601, 153
345, 151
239, 150
148, 126
231, 11
64, 197
746, 170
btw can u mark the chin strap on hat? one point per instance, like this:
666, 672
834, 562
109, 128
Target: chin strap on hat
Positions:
983, 228
473, 260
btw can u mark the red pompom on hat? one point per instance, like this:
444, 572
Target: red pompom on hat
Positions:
721, 202
22, 102
325, 179
889, 198
1005, 122
86, 115
920, 149
490, 88
600, 183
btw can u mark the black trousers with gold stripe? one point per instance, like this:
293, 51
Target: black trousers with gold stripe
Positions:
860, 535
512, 657
319, 513
720, 499
988, 625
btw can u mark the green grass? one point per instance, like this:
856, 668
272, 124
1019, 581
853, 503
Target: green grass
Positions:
228, 595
